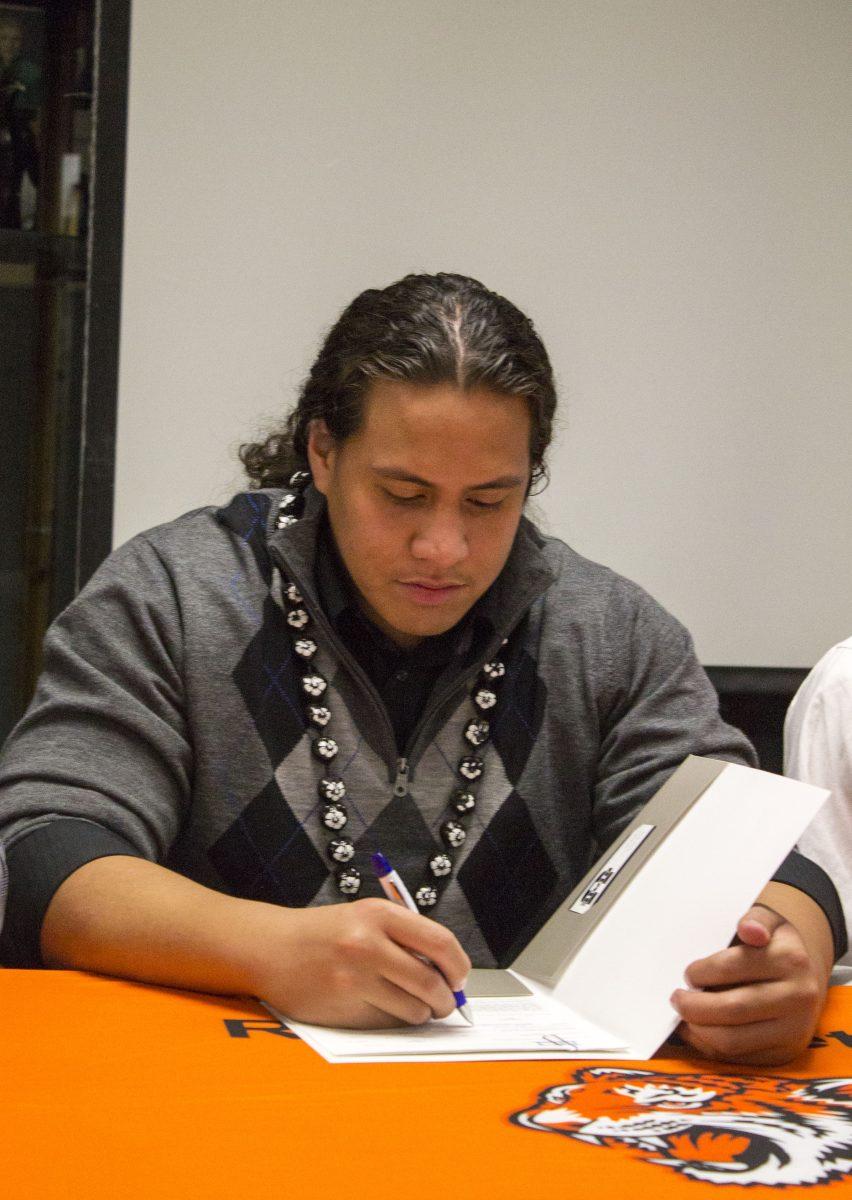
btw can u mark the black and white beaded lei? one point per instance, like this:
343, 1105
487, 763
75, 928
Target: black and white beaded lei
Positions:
334, 814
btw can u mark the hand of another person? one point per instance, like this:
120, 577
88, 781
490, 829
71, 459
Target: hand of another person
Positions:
354, 965
761, 997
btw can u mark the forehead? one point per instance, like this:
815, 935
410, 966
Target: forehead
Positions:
445, 428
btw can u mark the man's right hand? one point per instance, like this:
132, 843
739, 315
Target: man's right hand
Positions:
354, 965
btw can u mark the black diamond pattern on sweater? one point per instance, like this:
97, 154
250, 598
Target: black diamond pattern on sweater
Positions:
507, 878
518, 717
246, 515
266, 854
267, 677
401, 834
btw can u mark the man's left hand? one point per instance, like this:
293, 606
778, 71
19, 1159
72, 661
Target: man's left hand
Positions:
761, 997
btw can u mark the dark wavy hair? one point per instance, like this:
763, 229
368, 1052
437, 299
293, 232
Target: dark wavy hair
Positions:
423, 329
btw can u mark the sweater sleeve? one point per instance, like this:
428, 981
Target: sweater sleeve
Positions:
659, 708
101, 762
39, 861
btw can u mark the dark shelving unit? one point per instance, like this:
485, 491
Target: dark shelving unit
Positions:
60, 288
51, 254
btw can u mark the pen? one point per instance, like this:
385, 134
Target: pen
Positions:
395, 890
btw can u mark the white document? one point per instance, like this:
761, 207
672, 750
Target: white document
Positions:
600, 972
505, 1027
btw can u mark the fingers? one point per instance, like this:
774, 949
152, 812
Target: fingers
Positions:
760, 998
384, 1006
782, 957
420, 935
422, 983
758, 925
751, 932
387, 1005
375, 955
737, 1006
759, 1043
425, 983
356, 965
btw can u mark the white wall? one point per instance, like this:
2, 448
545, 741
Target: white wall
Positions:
663, 185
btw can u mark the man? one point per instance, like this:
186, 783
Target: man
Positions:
818, 749
245, 703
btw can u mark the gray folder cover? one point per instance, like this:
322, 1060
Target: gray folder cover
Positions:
546, 957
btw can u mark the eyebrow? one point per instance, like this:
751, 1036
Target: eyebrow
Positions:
503, 481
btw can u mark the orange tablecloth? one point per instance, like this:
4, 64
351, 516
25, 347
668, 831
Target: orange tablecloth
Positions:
114, 1089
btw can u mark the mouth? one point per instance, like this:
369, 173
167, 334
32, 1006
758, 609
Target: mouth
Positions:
430, 593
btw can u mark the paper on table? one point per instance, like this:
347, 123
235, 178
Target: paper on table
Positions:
520, 1026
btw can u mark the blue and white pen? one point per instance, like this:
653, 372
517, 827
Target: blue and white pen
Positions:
395, 890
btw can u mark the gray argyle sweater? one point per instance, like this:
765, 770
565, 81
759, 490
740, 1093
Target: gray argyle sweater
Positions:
170, 723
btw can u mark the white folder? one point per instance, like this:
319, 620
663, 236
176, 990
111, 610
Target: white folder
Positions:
669, 891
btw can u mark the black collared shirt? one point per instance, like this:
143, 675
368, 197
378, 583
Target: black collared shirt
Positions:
404, 679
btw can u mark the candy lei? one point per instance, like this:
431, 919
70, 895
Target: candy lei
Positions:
332, 790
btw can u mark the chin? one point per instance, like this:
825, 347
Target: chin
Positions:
426, 626
432, 628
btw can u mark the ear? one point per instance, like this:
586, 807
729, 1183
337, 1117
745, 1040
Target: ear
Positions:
322, 451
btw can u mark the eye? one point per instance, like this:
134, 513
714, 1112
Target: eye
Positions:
486, 504
403, 498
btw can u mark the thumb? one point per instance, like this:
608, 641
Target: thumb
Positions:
758, 925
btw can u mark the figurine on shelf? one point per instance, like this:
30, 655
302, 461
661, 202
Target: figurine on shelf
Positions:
20, 102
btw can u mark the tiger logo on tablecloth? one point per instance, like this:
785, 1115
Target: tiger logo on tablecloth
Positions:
723, 1129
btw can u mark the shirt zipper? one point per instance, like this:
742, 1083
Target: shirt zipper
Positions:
402, 764
400, 784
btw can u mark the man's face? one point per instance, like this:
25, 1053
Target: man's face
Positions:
424, 500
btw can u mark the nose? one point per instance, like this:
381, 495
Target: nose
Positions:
440, 541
